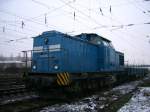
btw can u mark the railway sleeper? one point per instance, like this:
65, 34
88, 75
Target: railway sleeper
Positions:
12, 91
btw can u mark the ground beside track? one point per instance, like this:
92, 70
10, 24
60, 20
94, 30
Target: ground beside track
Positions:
98, 102
108, 101
140, 101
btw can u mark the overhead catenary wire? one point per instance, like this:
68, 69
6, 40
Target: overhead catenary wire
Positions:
84, 13
92, 19
15, 31
139, 8
51, 11
24, 29
118, 26
14, 39
130, 35
41, 3
112, 5
11, 29
14, 36
22, 23
130, 25
18, 24
11, 34
30, 29
124, 25
30, 20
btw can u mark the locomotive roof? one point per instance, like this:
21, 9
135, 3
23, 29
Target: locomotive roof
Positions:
63, 34
52, 31
93, 35
73, 37
87, 34
120, 52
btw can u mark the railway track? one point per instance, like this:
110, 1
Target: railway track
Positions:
33, 104
13, 89
11, 85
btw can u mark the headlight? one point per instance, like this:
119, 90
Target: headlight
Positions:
34, 67
56, 67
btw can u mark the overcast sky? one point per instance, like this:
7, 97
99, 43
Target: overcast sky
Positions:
124, 22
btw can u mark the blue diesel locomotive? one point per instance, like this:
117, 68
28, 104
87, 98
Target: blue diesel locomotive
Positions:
62, 60
55, 52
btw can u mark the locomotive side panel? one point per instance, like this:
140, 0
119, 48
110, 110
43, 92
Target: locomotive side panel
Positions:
81, 56
56, 52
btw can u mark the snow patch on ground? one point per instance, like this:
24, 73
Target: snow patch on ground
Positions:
70, 108
18, 98
126, 88
140, 102
74, 107
95, 102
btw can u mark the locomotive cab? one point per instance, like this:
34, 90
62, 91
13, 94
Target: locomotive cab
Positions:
106, 52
